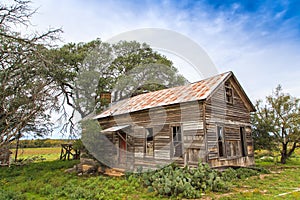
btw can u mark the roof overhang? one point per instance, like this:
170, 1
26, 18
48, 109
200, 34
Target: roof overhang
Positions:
114, 128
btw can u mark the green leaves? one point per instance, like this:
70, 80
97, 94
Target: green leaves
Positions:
277, 122
125, 69
184, 182
29, 81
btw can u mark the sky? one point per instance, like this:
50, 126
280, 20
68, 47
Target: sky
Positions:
258, 40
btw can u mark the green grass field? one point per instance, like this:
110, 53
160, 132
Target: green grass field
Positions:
47, 180
282, 183
48, 154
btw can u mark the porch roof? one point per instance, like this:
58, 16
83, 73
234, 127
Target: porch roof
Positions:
114, 128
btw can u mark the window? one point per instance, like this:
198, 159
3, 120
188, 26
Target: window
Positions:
177, 141
221, 144
228, 93
149, 144
243, 141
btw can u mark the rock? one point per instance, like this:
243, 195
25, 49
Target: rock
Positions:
88, 161
71, 170
78, 167
88, 168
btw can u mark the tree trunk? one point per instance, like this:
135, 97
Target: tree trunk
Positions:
284, 155
283, 158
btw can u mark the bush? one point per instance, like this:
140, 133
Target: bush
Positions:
241, 173
5, 194
192, 182
184, 182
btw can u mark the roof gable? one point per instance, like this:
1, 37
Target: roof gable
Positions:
242, 94
192, 92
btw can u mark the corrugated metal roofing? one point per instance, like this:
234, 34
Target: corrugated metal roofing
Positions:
191, 92
114, 128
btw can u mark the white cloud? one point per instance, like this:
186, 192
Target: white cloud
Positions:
225, 36
260, 56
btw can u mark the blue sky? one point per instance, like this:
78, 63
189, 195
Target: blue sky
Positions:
258, 40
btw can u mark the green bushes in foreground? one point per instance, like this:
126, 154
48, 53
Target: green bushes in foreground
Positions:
47, 180
184, 182
6, 194
241, 173
188, 182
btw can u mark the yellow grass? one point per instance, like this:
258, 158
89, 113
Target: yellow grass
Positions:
47, 153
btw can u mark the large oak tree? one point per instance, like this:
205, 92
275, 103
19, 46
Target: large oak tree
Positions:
124, 69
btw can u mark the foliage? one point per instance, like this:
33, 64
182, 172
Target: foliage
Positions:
281, 182
37, 143
278, 123
78, 145
103, 67
184, 182
81, 93
231, 174
53, 183
20, 182
138, 69
6, 194
30, 81
193, 182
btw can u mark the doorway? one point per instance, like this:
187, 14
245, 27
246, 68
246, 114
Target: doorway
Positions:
122, 148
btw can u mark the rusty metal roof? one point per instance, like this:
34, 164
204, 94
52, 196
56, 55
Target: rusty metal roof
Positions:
196, 91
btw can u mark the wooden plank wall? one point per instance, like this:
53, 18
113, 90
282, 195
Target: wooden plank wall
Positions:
186, 115
231, 117
197, 144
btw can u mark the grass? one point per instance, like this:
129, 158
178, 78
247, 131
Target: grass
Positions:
267, 187
282, 183
48, 153
47, 180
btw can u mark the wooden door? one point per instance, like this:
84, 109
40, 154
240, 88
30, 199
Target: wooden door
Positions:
122, 148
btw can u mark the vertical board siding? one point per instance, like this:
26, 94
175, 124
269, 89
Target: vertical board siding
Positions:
231, 117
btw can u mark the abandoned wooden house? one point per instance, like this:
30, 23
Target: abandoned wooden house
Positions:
207, 120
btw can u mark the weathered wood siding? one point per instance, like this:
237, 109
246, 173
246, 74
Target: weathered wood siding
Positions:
227, 109
187, 115
231, 117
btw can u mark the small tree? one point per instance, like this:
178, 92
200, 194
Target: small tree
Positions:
277, 123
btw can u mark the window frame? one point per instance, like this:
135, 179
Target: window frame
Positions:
222, 141
243, 136
180, 142
147, 130
229, 99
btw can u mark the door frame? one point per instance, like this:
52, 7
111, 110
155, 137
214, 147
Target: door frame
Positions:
122, 147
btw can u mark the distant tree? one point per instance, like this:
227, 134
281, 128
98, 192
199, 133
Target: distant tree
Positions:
277, 123
30, 83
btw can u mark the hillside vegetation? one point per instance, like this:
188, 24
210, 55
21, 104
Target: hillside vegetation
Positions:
47, 180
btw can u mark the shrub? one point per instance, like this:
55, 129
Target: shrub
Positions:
241, 173
184, 182
5, 194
